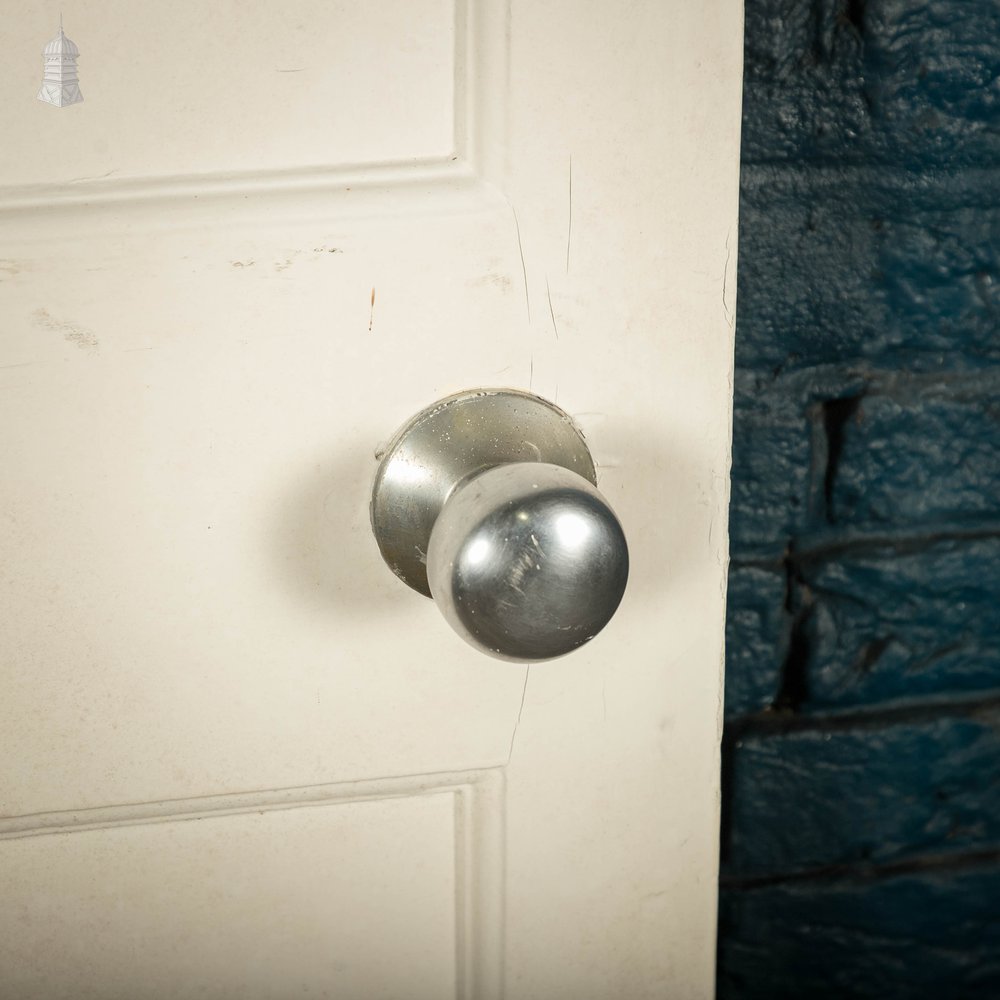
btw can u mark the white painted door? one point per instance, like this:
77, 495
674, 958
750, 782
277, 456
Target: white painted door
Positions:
239, 757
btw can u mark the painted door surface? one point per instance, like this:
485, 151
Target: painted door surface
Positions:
239, 757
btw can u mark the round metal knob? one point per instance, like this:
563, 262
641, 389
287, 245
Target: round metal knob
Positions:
487, 501
527, 561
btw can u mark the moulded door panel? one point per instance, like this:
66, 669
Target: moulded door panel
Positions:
239, 757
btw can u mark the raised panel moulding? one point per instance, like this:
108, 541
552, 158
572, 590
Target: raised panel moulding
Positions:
480, 58
478, 801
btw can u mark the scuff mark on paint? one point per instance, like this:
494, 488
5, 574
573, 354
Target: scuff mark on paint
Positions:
371, 315
96, 177
83, 338
281, 265
501, 281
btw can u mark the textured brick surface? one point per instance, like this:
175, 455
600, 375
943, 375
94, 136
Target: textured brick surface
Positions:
922, 453
939, 274
756, 627
873, 794
808, 256
915, 449
771, 469
858, 266
930, 935
872, 81
932, 73
803, 85
889, 625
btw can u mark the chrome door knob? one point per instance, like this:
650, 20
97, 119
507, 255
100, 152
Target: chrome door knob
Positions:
487, 502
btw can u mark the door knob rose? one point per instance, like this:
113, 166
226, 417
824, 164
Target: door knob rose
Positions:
487, 502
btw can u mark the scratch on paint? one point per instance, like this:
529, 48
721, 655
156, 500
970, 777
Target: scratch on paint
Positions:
371, 315
531, 372
524, 691
569, 226
552, 312
524, 269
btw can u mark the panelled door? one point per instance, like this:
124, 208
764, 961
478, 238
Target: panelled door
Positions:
239, 757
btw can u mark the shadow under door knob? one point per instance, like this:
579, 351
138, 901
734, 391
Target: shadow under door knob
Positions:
487, 502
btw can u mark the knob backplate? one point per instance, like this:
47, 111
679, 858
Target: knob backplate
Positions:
450, 441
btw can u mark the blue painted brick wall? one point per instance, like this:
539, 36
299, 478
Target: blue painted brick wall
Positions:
861, 809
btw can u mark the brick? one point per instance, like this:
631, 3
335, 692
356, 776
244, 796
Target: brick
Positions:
932, 75
864, 268
939, 271
803, 88
770, 470
756, 626
913, 84
910, 937
875, 794
808, 267
923, 454
894, 625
